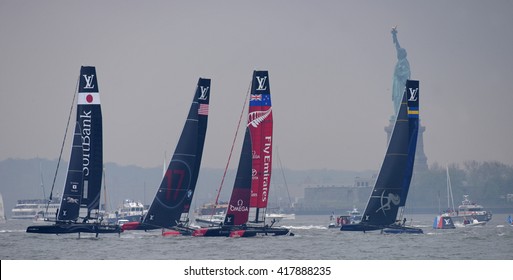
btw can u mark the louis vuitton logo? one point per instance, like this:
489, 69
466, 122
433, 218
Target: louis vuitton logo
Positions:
261, 83
413, 94
204, 92
89, 81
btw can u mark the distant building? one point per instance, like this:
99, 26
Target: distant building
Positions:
325, 199
364, 182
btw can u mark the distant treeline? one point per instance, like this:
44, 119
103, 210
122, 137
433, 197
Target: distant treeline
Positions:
487, 183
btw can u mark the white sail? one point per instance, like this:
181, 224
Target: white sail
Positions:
2, 212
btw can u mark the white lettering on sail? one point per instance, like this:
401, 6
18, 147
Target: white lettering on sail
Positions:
86, 141
89, 81
261, 83
240, 207
413, 94
204, 91
267, 167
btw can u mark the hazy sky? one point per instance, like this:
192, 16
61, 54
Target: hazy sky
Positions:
330, 64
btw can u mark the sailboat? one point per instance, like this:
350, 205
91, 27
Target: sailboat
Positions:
171, 205
444, 220
391, 189
253, 198
2, 211
84, 176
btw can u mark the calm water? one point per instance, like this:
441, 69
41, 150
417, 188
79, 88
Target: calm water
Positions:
312, 241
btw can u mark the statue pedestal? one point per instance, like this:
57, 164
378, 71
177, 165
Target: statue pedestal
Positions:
420, 157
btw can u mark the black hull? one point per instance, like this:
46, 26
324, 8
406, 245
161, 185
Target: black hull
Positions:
359, 227
393, 229
214, 231
237, 231
261, 231
74, 228
402, 230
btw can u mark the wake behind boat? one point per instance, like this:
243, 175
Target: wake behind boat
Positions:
83, 182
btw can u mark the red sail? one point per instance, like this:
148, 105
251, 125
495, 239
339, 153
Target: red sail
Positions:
260, 123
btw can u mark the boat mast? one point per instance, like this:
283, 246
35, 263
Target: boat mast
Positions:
230, 155
104, 193
449, 191
62, 146
284, 179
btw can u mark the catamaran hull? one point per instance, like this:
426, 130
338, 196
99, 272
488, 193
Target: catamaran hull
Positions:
262, 231
178, 231
385, 229
402, 230
241, 232
74, 228
359, 227
138, 226
212, 231
173, 231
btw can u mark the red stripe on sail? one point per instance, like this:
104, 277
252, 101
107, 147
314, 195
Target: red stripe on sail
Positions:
203, 109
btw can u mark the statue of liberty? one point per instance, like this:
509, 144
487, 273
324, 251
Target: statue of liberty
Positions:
401, 72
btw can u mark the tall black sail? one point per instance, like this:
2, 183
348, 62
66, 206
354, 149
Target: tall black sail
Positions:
175, 192
412, 96
89, 116
385, 198
84, 176
69, 208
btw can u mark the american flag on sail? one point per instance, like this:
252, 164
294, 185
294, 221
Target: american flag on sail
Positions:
203, 109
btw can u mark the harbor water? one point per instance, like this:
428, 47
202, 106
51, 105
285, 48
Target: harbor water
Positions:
312, 241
